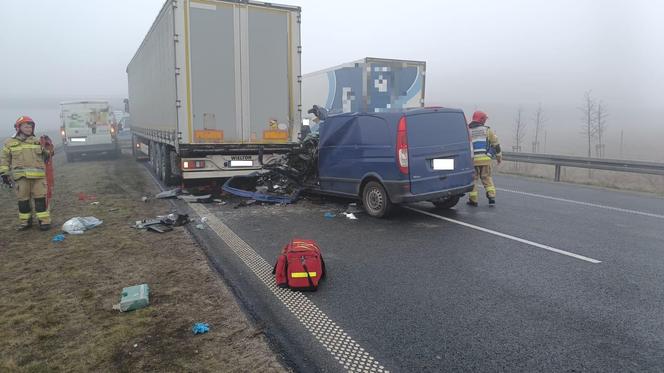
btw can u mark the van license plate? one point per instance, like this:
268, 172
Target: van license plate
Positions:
242, 163
444, 164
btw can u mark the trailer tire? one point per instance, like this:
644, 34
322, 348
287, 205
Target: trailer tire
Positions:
166, 165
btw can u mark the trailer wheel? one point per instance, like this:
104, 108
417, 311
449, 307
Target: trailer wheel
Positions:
375, 200
166, 165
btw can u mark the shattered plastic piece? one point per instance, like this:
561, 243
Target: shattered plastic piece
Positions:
144, 199
200, 226
113, 209
159, 228
352, 208
200, 328
173, 193
329, 215
196, 199
59, 237
165, 221
204, 219
79, 225
96, 203
350, 215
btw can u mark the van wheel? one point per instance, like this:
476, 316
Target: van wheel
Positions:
375, 200
446, 203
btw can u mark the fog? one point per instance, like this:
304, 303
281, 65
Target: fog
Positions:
494, 56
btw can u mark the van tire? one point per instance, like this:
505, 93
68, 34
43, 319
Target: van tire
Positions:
375, 200
446, 203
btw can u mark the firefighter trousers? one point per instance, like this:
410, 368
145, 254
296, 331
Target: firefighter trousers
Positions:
35, 189
483, 173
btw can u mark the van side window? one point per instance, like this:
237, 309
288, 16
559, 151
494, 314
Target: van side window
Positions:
373, 131
339, 131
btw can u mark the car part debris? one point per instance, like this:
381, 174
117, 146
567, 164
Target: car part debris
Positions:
59, 238
350, 215
163, 223
329, 215
196, 199
173, 193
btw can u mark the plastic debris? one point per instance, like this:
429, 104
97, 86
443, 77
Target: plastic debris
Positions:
352, 208
59, 237
196, 199
245, 202
86, 197
96, 203
200, 328
173, 193
350, 215
200, 226
163, 223
329, 215
144, 199
79, 225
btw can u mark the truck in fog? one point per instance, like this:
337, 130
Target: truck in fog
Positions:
214, 88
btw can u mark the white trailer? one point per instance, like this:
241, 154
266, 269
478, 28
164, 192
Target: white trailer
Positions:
214, 88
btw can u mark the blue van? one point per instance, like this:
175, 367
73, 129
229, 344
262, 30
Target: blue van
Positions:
390, 158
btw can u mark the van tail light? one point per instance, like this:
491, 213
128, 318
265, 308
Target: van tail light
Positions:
63, 134
402, 146
192, 165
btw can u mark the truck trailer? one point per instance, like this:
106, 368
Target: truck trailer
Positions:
214, 88
371, 85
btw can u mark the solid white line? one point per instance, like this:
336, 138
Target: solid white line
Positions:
584, 203
509, 237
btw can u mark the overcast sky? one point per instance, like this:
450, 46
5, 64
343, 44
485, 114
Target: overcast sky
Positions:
480, 53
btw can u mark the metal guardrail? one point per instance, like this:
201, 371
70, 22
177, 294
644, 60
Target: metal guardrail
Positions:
559, 161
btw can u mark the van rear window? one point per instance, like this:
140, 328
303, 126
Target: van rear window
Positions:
432, 129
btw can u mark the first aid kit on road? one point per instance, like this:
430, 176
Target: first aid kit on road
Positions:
300, 265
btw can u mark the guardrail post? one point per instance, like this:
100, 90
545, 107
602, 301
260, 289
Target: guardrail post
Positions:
557, 177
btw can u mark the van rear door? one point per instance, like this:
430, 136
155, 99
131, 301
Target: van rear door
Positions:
87, 123
439, 151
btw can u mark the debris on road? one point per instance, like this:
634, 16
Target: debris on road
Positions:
200, 328
283, 179
200, 226
96, 203
173, 193
144, 198
79, 225
329, 215
163, 223
196, 199
244, 203
59, 238
86, 197
350, 215
133, 298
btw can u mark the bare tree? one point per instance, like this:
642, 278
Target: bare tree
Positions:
519, 130
589, 128
600, 129
539, 125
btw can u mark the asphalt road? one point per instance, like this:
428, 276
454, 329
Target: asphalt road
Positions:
557, 277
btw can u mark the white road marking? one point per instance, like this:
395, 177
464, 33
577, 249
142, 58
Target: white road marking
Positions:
583, 203
338, 343
509, 237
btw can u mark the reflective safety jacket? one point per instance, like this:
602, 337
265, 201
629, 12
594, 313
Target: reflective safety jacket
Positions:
483, 139
23, 158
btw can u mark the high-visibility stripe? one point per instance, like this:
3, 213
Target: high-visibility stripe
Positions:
4, 169
30, 173
482, 157
473, 194
302, 274
18, 148
22, 216
490, 189
43, 215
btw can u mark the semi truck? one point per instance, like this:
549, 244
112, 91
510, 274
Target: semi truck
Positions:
215, 88
372, 85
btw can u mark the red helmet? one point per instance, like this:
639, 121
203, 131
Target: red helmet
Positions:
480, 117
23, 120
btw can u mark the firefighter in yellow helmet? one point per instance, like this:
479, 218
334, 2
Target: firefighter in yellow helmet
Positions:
485, 143
22, 165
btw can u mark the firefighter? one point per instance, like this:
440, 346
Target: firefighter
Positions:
22, 160
485, 143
